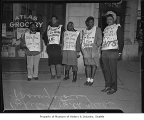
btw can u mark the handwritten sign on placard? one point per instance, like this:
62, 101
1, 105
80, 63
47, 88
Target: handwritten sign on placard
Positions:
70, 40
54, 34
33, 41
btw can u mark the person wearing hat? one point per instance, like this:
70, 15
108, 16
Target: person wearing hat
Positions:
32, 42
112, 47
71, 49
91, 43
53, 40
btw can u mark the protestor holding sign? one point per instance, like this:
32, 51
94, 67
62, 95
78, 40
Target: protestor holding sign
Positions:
91, 42
112, 47
71, 49
33, 43
53, 41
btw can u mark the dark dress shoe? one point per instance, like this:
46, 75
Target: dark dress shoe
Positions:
29, 79
86, 83
90, 83
35, 78
53, 77
73, 81
66, 78
58, 77
111, 91
106, 89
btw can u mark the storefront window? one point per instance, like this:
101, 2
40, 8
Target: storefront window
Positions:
13, 28
7, 17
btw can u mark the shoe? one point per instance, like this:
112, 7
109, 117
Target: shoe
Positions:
90, 83
86, 83
66, 78
66, 75
58, 77
53, 77
35, 78
29, 79
111, 91
106, 89
74, 76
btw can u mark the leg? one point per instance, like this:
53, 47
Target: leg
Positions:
106, 66
67, 68
30, 67
88, 71
113, 69
53, 71
75, 69
88, 74
36, 66
58, 69
93, 71
107, 73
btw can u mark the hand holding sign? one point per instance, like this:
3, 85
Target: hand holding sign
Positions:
33, 41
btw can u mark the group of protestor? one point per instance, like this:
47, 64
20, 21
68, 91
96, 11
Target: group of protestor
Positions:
64, 47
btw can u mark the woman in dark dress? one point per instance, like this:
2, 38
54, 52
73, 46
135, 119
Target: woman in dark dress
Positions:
53, 41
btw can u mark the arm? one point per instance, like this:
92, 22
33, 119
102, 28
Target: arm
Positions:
98, 36
62, 41
23, 44
61, 36
120, 38
41, 44
45, 37
78, 44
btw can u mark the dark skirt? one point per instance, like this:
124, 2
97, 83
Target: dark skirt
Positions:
54, 53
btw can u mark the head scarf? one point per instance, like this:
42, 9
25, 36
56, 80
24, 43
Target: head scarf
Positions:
111, 13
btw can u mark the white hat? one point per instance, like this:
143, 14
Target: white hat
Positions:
112, 13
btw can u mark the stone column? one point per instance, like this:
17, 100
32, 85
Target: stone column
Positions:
133, 19
96, 13
130, 50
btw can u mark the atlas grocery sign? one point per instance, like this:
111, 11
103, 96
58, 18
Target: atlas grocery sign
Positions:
23, 21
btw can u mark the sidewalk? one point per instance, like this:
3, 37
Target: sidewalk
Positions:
57, 94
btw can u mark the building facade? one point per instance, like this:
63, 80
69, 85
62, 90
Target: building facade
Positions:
127, 13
